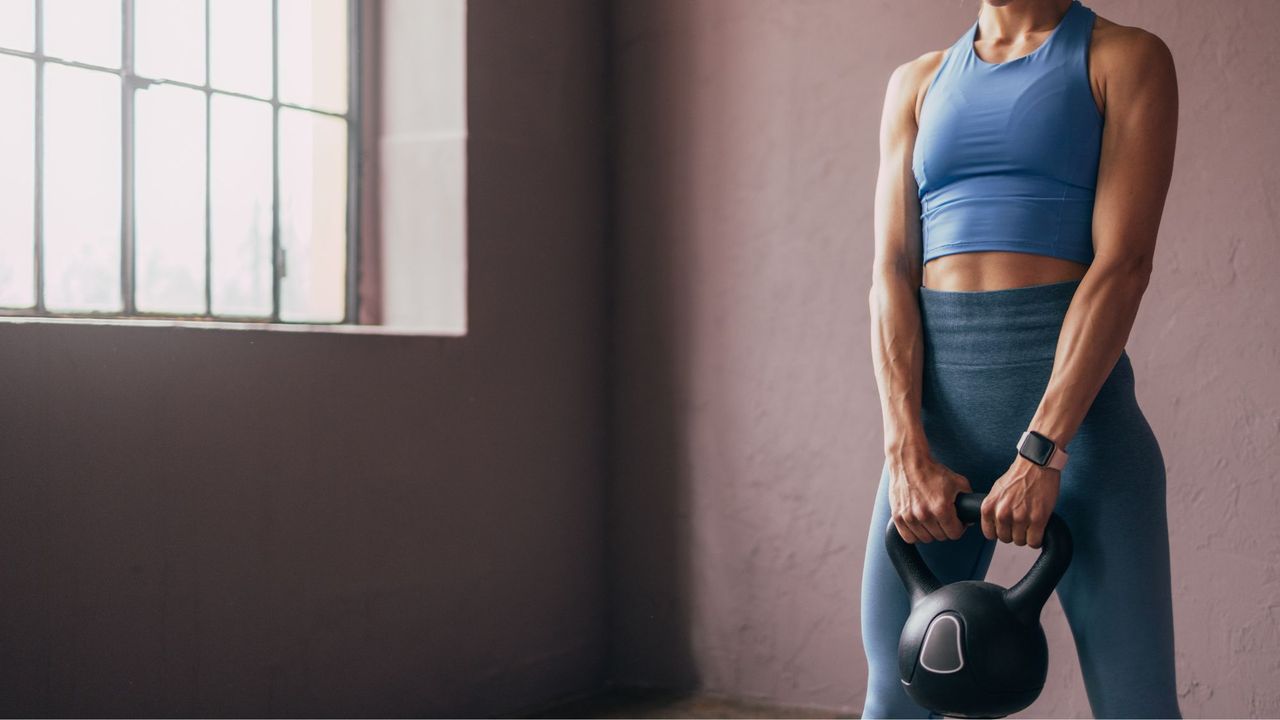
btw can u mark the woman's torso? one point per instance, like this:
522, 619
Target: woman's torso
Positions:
1006, 159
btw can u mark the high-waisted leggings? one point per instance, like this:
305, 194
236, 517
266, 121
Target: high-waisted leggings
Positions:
987, 360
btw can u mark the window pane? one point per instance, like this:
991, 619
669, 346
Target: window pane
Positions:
313, 199
81, 189
18, 24
17, 182
313, 53
83, 30
240, 46
169, 39
169, 200
241, 199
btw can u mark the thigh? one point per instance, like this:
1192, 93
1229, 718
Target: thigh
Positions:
885, 603
1116, 593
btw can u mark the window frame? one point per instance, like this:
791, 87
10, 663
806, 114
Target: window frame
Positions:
130, 82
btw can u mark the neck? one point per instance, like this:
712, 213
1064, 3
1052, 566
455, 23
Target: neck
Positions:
1007, 21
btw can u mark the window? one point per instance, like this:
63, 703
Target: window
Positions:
180, 158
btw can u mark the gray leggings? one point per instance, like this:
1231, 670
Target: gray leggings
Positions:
988, 356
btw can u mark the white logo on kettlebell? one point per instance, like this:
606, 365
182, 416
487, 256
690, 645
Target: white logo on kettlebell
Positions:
940, 653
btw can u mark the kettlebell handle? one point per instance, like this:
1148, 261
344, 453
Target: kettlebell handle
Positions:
1026, 598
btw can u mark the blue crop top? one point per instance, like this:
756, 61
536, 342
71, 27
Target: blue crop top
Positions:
1006, 155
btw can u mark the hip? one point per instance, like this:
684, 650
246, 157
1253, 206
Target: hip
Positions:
988, 359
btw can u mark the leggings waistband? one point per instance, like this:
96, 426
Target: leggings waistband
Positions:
994, 327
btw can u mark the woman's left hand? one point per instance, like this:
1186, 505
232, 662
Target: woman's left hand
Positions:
1020, 502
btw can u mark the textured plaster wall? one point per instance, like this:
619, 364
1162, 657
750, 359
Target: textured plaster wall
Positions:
749, 434
202, 523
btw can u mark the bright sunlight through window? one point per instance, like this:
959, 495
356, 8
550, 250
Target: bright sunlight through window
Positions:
179, 158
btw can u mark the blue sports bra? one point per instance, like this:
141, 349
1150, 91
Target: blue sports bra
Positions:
1006, 155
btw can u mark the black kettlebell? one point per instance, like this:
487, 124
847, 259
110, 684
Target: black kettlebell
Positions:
974, 649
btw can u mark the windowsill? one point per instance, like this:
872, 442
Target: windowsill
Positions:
221, 325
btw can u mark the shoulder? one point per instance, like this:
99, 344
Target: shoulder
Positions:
1127, 56
909, 81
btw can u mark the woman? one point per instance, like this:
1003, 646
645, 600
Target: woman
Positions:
1023, 175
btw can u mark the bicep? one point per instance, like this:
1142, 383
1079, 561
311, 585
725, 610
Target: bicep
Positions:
897, 207
1136, 161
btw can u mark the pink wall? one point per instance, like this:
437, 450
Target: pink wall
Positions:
225, 523
748, 428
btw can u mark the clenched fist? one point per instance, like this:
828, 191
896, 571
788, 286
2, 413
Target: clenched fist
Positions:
1019, 504
922, 496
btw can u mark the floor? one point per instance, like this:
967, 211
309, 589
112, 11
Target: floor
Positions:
647, 703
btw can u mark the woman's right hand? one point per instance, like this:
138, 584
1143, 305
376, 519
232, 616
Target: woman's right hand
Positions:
922, 495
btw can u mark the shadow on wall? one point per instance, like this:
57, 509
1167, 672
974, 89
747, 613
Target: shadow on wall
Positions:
648, 512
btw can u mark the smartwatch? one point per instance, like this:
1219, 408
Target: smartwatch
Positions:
1041, 450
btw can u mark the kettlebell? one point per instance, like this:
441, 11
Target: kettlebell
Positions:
973, 649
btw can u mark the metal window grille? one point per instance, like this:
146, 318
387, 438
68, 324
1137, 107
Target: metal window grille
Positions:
130, 83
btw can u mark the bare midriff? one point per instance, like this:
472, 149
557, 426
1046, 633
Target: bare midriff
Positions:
997, 270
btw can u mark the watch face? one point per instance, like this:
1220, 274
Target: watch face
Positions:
1036, 448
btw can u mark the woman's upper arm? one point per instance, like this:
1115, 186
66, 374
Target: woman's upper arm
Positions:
1140, 128
897, 205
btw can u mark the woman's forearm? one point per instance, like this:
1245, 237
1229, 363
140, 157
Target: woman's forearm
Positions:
897, 344
1094, 332
897, 347
1134, 171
